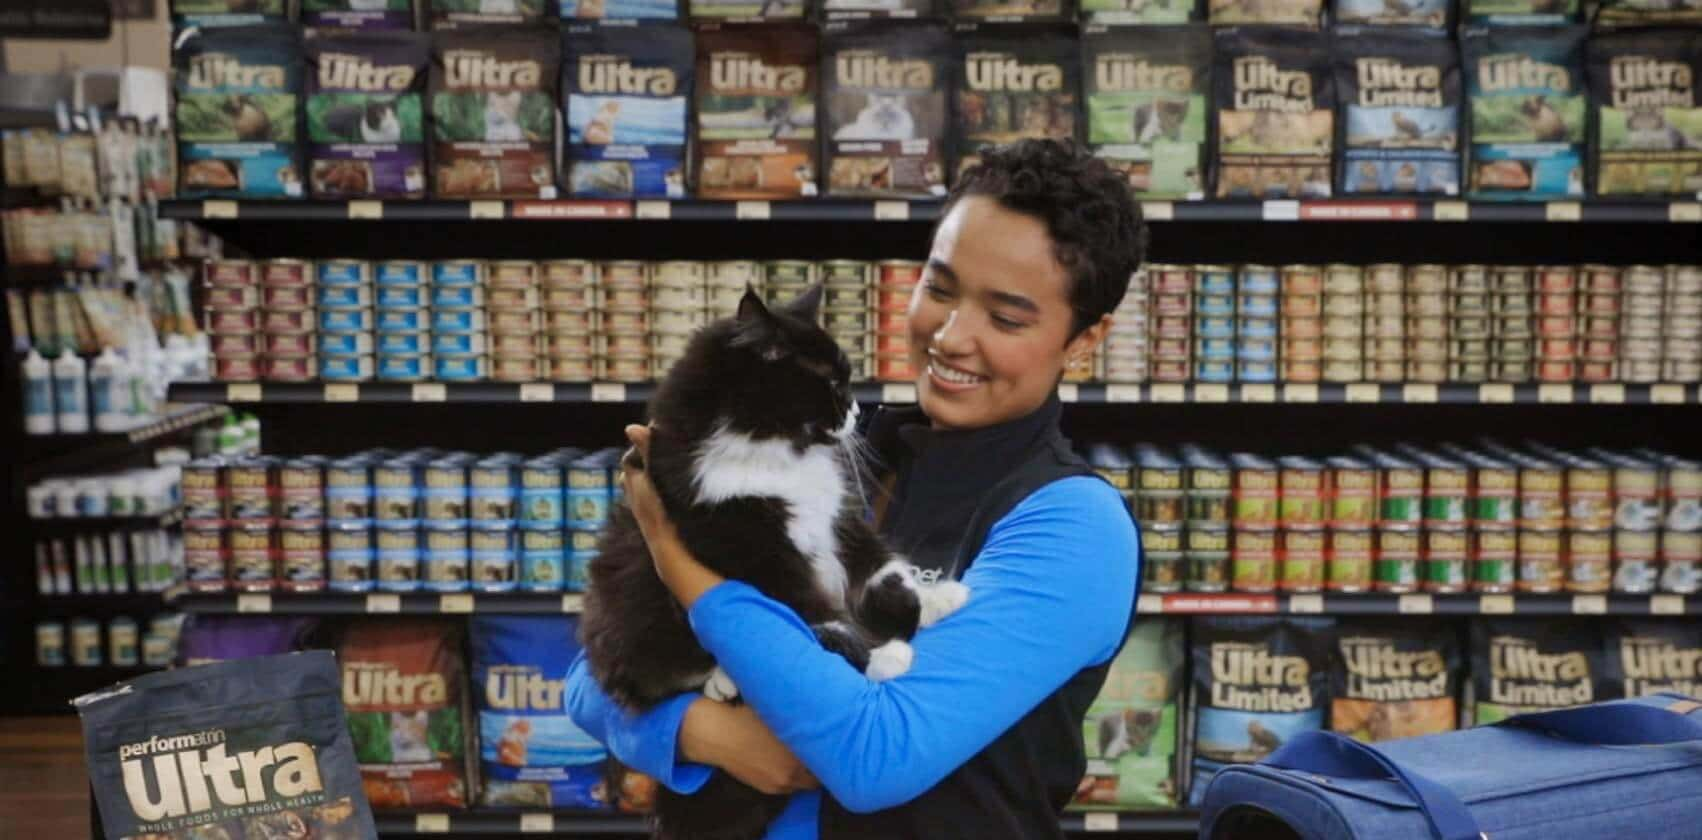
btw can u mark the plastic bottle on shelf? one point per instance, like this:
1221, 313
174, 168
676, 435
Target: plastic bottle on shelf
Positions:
38, 395
231, 436
71, 393
250, 434
109, 392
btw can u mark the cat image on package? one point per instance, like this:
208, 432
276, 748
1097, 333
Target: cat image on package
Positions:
378, 15
1394, 680
1526, 129
1651, 656
884, 86
238, 105
1141, 12
1275, 109
530, 752
366, 115
627, 90
1130, 730
1284, 12
1400, 93
1519, 12
747, 10
755, 123
1148, 94
1431, 13
1644, 89
493, 112
1013, 86
443, 14
207, 14
1532, 665
1028, 11
403, 686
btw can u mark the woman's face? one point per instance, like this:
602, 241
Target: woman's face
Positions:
990, 320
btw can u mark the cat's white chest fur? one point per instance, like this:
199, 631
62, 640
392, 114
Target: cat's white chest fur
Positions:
730, 465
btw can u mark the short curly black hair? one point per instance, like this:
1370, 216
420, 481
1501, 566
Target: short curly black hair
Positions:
1090, 214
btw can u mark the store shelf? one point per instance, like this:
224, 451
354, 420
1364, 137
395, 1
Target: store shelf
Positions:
847, 210
583, 822
48, 454
379, 603
70, 526
1199, 392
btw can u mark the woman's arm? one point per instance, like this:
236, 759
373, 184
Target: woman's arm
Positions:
1050, 594
646, 741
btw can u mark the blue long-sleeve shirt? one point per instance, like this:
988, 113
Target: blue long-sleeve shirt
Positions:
1050, 594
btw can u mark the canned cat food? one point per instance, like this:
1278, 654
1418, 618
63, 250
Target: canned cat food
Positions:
1302, 560
301, 490
1257, 485
291, 347
398, 555
1207, 558
404, 368
494, 554
1349, 560
405, 297
492, 495
1589, 561
1353, 493
285, 271
444, 556
204, 557
1447, 494
252, 492
390, 343
458, 273
1541, 490
401, 273
406, 320
85, 643
1494, 561
332, 273
1636, 491
1303, 495
395, 494
231, 273
588, 490
543, 559
1634, 561
1495, 498
203, 491
511, 274
1161, 554
560, 298
251, 557
232, 298
232, 323
450, 367
541, 493
50, 644
1254, 561
301, 557
348, 320
121, 639
349, 554
1396, 567
351, 297
1540, 561
626, 369
337, 368
348, 491
1444, 559
624, 274
520, 298
1401, 493
1589, 496
571, 369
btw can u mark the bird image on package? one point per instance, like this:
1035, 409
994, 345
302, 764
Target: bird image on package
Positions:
403, 686
627, 90
238, 105
493, 112
1148, 92
1394, 680
884, 86
756, 112
1530, 665
1400, 96
1012, 86
1130, 730
1275, 108
1646, 90
1650, 656
371, 15
530, 752
1526, 87
365, 115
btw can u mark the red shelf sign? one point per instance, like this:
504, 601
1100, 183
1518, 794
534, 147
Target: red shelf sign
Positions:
1358, 211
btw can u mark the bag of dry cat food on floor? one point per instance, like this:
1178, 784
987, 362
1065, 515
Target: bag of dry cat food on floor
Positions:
366, 115
1257, 683
1280, 12
627, 89
220, 638
1011, 11
493, 112
1519, 12
1394, 679
1526, 129
1141, 12
756, 112
1400, 95
254, 748
1646, 91
1148, 93
1432, 13
1012, 85
1650, 656
403, 686
376, 15
531, 754
884, 85
1275, 113
1130, 729
216, 13
237, 113
449, 14
1531, 665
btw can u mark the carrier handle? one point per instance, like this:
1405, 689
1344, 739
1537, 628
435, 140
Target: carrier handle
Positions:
1330, 754
1656, 719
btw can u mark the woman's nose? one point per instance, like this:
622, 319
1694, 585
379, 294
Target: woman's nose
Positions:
951, 337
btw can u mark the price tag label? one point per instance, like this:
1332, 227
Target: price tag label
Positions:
1563, 211
1122, 393
752, 211
1211, 392
1068, 392
366, 209
242, 392
1419, 393
572, 603
1495, 392
1149, 603
1554, 393
1495, 604
535, 823
1300, 393
1666, 605
1364, 392
1306, 603
1612, 393
485, 210
342, 392
1099, 822
254, 602
459, 602
892, 211
653, 209
429, 392
218, 209
898, 392
1666, 394
383, 602
537, 392
1416, 604
1589, 604
431, 823
608, 392
1168, 392
1450, 211
1259, 393
1158, 211
1684, 211
1281, 211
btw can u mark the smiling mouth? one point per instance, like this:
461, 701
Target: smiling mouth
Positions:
952, 376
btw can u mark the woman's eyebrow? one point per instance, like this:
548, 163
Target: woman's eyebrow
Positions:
939, 266
1014, 299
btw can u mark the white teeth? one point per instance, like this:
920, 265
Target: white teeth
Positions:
955, 377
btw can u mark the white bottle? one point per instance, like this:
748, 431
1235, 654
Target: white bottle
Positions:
109, 392
38, 395
71, 393
250, 434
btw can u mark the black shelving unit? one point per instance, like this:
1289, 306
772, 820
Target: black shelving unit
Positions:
580, 823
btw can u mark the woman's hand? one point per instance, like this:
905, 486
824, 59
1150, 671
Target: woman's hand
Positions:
675, 565
734, 739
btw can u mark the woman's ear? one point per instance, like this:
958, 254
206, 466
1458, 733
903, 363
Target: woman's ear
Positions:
1082, 346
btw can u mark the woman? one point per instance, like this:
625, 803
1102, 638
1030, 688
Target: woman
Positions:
982, 737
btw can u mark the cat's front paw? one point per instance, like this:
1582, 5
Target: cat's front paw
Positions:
720, 687
889, 660
939, 600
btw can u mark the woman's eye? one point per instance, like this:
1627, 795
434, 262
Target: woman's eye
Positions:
1007, 323
936, 292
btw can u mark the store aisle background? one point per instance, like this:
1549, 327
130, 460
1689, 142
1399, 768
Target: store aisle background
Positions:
44, 793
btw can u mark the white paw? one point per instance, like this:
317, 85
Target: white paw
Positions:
898, 568
940, 600
889, 660
720, 687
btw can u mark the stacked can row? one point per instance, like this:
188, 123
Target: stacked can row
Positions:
126, 645
395, 521
261, 320
1124, 356
1494, 519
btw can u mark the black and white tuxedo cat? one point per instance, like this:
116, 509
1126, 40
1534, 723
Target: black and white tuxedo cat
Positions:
752, 455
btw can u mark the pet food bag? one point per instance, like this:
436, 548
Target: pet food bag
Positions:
1644, 13
1532, 665
1130, 730
876, 9
1014, 85
493, 112
1519, 12
756, 112
885, 89
1257, 683
1010, 11
207, 14
238, 105
627, 89
255, 748
1280, 12
403, 686
617, 10
530, 752
220, 638
747, 10
1148, 90
449, 14
1275, 113
1526, 129
1400, 111
1647, 97
1394, 679
1437, 14
1650, 656
378, 15
1142, 12
366, 115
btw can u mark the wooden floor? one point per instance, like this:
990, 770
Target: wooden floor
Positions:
44, 794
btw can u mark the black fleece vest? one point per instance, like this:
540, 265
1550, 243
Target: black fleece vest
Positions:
950, 489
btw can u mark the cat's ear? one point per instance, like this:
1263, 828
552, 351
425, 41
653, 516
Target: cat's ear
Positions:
807, 305
752, 310
758, 329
